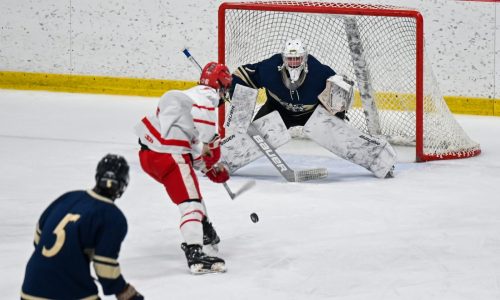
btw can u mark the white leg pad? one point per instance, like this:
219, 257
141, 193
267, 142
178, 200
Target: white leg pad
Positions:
371, 152
238, 149
192, 213
240, 111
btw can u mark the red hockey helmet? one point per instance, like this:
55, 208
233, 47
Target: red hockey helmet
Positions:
216, 76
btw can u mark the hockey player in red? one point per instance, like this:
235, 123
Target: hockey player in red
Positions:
180, 137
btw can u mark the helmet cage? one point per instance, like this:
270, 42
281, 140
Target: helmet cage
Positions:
294, 57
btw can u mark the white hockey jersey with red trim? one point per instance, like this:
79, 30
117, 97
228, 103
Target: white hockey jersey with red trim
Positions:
183, 121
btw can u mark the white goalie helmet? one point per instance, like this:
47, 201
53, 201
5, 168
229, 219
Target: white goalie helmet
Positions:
294, 59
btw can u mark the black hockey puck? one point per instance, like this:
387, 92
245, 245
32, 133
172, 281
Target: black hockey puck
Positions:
254, 217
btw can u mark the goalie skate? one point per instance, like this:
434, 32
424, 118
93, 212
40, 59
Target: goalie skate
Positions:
200, 263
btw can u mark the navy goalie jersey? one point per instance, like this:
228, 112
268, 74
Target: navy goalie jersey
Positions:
298, 104
77, 228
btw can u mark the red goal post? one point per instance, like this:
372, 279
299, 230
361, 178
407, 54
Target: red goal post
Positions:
381, 47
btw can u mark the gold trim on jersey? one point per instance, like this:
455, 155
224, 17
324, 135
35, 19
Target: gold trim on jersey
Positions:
242, 73
307, 107
107, 271
105, 259
99, 197
38, 233
29, 297
106, 267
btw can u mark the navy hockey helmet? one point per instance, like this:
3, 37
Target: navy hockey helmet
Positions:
112, 176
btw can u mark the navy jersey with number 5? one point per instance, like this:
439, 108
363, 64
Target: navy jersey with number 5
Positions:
77, 228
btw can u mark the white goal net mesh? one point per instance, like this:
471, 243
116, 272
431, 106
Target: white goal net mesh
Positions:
387, 44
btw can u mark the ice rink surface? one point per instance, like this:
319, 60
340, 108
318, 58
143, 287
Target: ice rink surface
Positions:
432, 232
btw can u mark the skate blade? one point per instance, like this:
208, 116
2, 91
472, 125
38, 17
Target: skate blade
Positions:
197, 269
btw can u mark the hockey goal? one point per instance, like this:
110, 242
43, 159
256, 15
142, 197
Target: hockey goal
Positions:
380, 47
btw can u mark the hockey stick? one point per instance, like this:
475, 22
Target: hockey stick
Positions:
288, 173
270, 152
248, 185
191, 58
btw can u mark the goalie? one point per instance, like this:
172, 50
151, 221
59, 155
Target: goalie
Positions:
296, 83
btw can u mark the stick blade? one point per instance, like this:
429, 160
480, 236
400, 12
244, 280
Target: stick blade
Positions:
311, 174
228, 190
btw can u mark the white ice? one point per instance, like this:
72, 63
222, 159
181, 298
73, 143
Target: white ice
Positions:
432, 232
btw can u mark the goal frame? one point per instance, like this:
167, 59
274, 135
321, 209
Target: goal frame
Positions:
367, 10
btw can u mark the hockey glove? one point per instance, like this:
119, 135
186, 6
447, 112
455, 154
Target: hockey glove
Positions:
211, 152
218, 174
338, 95
129, 293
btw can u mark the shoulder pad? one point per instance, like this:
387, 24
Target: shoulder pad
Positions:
203, 95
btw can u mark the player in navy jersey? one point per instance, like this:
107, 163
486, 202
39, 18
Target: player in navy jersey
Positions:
78, 228
293, 80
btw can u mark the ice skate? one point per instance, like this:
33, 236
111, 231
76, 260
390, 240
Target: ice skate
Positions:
210, 237
200, 263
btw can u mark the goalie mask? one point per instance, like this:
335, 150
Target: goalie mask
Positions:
111, 176
294, 68
216, 76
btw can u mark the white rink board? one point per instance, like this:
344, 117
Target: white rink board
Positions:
143, 39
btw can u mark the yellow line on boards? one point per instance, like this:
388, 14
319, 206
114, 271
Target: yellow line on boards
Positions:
156, 88
473, 105
89, 84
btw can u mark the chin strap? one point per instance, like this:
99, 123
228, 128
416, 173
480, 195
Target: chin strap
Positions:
286, 78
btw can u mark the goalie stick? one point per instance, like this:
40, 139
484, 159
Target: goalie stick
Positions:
288, 173
270, 152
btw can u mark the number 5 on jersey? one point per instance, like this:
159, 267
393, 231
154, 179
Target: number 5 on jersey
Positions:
60, 235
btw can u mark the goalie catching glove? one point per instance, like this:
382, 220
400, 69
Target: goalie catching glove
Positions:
338, 95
